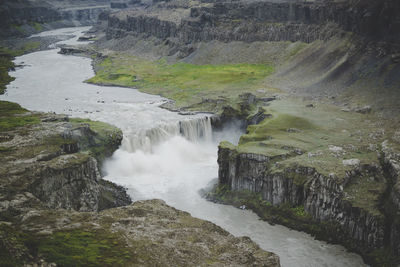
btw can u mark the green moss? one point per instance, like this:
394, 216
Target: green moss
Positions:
104, 142
37, 26
187, 84
278, 126
101, 128
383, 258
84, 248
6, 65
366, 193
294, 135
80, 247
13, 116
226, 144
9, 237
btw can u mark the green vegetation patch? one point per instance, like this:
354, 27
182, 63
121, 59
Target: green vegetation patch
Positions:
320, 137
366, 192
185, 83
6, 64
84, 248
325, 139
78, 247
104, 142
101, 128
13, 115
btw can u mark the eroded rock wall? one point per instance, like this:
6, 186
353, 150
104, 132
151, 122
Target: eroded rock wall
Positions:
322, 197
57, 161
24, 17
265, 21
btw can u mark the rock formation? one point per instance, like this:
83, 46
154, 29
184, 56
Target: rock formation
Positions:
55, 209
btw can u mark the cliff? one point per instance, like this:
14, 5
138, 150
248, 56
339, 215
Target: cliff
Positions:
333, 187
56, 210
147, 233
340, 50
56, 159
260, 21
23, 17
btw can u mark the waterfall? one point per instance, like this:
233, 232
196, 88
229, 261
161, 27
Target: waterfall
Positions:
194, 130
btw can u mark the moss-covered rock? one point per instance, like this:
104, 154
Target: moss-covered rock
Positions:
49, 172
324, 165
57, 159
147, 233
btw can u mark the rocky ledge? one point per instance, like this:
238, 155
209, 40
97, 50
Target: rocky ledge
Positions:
56, 159
146, 233
290, 172
56, 210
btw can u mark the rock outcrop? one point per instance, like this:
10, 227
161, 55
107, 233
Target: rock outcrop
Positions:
23, 17
260, 21
57, 161
390, 159
324, 198
146, 233
56, 210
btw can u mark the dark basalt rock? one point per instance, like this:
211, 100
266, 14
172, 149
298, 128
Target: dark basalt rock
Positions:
268, 21
323, 198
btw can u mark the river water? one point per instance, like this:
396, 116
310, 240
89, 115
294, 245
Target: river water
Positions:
163, 155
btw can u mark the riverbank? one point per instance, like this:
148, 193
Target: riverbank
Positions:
316, 115
309, 165
52, 194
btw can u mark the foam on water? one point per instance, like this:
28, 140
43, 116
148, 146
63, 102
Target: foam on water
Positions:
163, 155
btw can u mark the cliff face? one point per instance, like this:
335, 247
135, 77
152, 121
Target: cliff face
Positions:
49, 172
376, 19
83, 15
264, 21
23, 17
57, 161
322, 197
317, 169
390, 159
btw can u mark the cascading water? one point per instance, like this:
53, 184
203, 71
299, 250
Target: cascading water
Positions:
164, 155
194, 130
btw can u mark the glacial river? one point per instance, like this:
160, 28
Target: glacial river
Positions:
163, 155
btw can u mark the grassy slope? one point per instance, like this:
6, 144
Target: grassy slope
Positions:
321, 138
13, 116
292, 128
187, 84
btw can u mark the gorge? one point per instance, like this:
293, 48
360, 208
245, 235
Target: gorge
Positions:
303, 96
174, 168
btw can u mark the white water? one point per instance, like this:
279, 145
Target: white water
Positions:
160, 157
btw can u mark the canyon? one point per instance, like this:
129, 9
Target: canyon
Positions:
310, 87
328, 52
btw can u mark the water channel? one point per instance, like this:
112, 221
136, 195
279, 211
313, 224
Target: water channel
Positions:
163, 155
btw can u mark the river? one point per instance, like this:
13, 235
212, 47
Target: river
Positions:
163, 154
